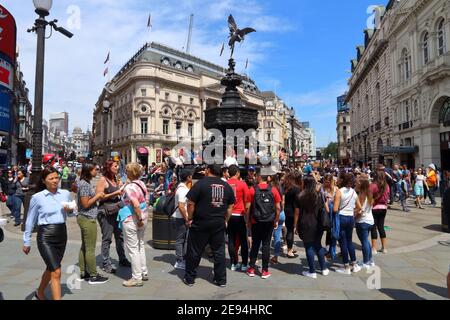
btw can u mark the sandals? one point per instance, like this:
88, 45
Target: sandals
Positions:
274, 260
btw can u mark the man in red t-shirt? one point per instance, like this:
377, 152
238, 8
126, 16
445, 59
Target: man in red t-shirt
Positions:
237, 225
264, 216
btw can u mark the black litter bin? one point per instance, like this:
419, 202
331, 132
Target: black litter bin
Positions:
164, 232
445, 211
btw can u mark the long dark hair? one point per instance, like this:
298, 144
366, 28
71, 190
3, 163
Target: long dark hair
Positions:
86, 172
275, 183
309, 195
107, 173
44, 173
380, 181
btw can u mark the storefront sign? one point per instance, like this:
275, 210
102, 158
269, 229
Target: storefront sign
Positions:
158, 156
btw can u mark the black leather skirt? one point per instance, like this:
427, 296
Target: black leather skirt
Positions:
51, 242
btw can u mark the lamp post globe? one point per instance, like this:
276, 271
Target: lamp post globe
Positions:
43, 7
106, 105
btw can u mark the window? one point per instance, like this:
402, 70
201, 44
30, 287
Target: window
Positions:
405, 65
425, 50
166, 127
345, 128
268, 136
167, 96
144, 92
407, 111
441, 38
179, 99
179, 125
191, 129
378, 97
192, 100
343, 120
144, 125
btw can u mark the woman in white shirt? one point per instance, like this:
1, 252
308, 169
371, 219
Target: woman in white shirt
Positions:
346, 202
364, 219
419, 188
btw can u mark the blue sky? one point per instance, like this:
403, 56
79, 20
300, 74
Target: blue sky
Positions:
302, 48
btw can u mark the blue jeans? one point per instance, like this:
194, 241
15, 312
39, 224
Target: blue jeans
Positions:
277, 235
315, 248
14, 204
363, 230
345, 241
431, 193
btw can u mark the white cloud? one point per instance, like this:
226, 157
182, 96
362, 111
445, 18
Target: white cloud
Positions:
74, 67
322, 97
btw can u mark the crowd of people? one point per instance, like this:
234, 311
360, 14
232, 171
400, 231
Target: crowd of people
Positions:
322, 206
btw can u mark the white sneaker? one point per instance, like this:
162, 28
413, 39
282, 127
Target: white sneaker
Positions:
180, 265
244, 268
372, 264
310, 275
233, 267
356, 268
367, 266
325, 272
344, 271
384, 251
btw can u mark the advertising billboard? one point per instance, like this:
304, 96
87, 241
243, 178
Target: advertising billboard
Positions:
8, 33
6, 74
341, 105
5, 113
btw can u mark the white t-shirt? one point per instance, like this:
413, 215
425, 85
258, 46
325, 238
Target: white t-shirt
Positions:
367, 216
420, 178
229, 161
180, 196
348, 202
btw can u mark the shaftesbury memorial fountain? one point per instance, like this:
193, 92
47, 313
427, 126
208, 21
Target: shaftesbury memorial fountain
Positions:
231, 115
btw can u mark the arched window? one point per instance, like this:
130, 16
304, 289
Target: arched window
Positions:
425, 48
444, 115
441, 37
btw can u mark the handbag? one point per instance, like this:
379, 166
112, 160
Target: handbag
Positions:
3, 197
111, 208
325, 223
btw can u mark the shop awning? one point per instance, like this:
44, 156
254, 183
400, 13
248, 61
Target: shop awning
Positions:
400, 150
142, 151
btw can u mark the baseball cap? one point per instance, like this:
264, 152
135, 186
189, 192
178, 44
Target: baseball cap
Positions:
251, 168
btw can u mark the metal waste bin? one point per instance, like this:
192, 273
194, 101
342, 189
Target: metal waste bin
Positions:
164, 232
445, 211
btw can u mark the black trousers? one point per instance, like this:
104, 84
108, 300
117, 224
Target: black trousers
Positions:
261, 234
378, 215
290, 231
197, 241
237, 231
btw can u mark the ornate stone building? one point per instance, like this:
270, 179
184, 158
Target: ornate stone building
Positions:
399, 92
158, 99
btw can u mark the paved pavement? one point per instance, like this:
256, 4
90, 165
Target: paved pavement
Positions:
415, 268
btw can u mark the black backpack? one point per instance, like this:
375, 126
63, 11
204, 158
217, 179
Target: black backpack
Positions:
169, 204
264, 205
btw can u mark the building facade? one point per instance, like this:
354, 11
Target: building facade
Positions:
369, 94
81, 143
158, 99
399, 92
343, 132
59, 122
23, 121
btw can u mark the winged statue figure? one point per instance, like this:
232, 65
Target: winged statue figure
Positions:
236, 34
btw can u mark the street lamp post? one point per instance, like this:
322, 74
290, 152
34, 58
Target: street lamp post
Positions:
43, 10
292, 115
